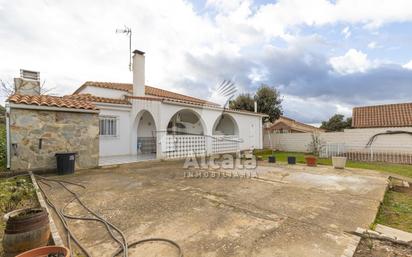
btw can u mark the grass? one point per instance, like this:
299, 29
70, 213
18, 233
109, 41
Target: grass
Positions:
396, 209
400, 169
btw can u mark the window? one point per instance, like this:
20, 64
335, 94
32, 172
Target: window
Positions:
108, 126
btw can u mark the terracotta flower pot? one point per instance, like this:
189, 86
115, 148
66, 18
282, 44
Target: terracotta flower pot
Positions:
57, 251
311, 161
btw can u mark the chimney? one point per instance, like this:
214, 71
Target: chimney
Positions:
28, 83
138, 73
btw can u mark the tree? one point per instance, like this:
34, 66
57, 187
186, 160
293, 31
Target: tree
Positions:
337, 123
268, 101
7, 88
243, 102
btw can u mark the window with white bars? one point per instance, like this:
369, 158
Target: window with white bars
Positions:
108, 126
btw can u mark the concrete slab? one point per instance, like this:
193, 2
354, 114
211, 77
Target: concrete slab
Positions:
394, 233
286, 211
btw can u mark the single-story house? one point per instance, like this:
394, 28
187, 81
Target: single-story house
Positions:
107, 123
382, 116
287, 125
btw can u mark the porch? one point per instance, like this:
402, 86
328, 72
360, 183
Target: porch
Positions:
122, 159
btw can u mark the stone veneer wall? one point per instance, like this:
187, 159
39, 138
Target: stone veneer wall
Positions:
36, 136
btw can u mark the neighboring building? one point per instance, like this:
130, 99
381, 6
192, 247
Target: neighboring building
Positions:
125, 123
288, 125
382, 116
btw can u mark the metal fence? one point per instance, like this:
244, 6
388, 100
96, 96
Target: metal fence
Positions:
401, 154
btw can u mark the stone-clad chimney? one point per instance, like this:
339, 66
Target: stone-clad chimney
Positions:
28, 83
138, 73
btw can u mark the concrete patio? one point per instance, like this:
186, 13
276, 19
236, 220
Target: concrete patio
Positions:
123, 159
286, 211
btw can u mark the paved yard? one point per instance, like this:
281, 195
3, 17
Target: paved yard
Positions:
287, 211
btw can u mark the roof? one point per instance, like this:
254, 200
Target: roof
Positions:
92, 98
293, 125
152, 91
52, 101
379, 116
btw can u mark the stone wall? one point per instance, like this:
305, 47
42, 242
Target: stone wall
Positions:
35, 137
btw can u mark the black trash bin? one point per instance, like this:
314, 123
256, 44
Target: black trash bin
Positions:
291, 160
65, 163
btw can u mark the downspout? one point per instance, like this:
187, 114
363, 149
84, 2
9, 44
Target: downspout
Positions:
8, 134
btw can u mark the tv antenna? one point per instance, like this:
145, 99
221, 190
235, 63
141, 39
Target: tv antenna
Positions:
128, 32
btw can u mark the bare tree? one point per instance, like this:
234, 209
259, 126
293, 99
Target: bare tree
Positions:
7, 88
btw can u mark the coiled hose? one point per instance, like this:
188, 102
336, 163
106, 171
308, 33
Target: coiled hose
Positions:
109, 226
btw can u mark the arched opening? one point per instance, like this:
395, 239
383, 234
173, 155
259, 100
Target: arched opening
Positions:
146, 134
185, 122
225, 125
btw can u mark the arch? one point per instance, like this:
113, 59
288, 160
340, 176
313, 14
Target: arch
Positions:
225, 124
186, 122
146, 133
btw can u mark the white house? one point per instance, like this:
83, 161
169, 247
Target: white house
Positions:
143, 122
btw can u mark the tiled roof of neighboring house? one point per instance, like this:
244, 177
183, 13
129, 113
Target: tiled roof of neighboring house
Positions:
92, 98
152, 91
389, 115
52, 101
293, 125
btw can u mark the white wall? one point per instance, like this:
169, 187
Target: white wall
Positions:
119, 145
104, 92
352, 137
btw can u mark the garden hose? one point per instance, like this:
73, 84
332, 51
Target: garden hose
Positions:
109, 226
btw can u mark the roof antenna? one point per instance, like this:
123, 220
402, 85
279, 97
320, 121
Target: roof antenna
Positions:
127, 31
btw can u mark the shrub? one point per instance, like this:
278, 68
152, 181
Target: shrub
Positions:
13, 192
316, 145
3, 147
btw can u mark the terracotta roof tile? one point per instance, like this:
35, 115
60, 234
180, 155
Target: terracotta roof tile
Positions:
52, 101
92, 98
390, 115
152, 91
294, 125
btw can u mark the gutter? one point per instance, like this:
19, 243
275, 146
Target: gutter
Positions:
8, 134
49, 108
117, 106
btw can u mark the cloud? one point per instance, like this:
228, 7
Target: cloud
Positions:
191, 51
373, 45
353, 61
408, 65
346, 32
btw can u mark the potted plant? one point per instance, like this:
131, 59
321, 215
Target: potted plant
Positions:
291, 160
339, 162
272, 158
315, 147
59, 251
311, 160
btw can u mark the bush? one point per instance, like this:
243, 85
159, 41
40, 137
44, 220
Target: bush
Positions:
13, 192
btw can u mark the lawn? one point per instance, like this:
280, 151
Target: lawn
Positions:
400, 169
396, 209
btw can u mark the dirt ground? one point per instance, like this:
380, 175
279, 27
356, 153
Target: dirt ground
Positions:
286, 211
376, 248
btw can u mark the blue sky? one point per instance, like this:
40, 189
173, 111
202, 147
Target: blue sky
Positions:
324, 56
